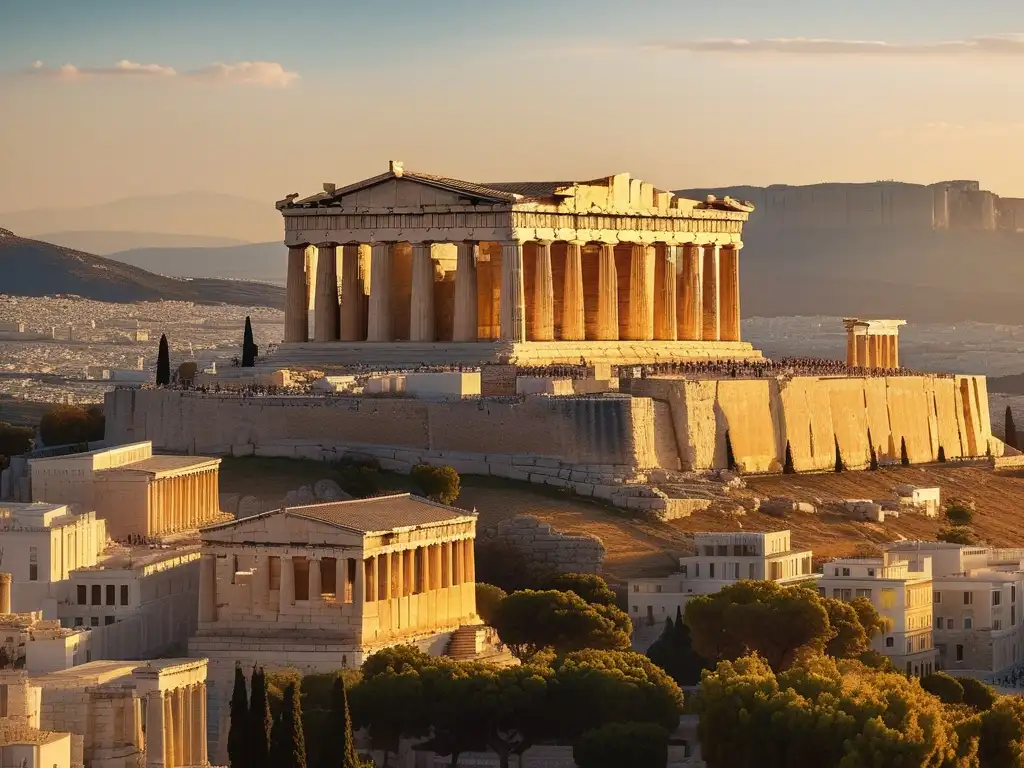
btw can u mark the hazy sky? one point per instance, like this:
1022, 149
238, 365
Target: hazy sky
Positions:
103, 99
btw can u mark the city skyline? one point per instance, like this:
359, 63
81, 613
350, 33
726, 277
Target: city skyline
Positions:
122, 99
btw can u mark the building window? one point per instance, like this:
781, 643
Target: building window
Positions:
837, 571
950, 624
722, 550
124, 594
709, 551
329, 576
636, 609
711, 570
968, 598
1013, 593
108, 620
94, 621
82, 594
636, 587
97, 594
846, 571
871, 571
33, 564
936, 597
657, 587
864, 593
78, 621
111, 592
959, 653
997, 623
696, 570
938, 622
997, 598
968, 623
684, 571
889, 642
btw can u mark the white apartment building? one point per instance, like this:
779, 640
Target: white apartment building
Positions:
977, 599
40, 545
719, 559
900, 589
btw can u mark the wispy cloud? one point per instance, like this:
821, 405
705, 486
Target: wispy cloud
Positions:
264, 73
992, 45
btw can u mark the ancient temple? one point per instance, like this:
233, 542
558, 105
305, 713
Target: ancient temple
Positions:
426, 268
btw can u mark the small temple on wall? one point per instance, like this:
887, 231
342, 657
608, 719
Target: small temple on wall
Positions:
872, 344
417, 268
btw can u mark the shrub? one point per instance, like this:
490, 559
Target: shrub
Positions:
947, 688
959, 514
957, 534
437, 483
64, 424
639, 745
187, 372
15, 441
976, 694
488, 601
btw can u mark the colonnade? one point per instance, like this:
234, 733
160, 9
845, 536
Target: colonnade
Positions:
176, 727
545, 291
384, 576
872, 343
182, 502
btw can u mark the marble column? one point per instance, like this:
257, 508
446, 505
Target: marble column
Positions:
641, 293
665, 309
199, 756
421, 311
712, 330
513, 304
691, 305
470, 560
398, 574
208, 587
607, 295
466, 322
730, 272
574, 327
427, 569
287, 596
862, 350
325, 309
179, 727
543, 308
895, 351
170, 726
447, 570
851, 349
315, 581
359, 585
872, 344
296, 319
379, 325
352, 298
185, 694
385, 577
155, 755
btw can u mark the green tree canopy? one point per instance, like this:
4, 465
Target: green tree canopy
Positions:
64, 424
589, 586
1001, 734
530, 621
977, 695
488, 601
959, 513
437, 483
957, 534
14, 441
945, 687
637, 745
823, 713
599, 687
390, 699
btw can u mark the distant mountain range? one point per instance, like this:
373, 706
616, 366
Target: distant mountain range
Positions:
34, 268
106, 243
254, 261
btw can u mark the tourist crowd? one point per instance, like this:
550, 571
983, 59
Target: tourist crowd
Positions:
764, 368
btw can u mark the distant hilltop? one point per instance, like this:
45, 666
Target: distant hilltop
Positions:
959, 205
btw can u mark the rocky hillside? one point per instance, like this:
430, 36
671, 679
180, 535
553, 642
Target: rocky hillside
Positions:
34, 268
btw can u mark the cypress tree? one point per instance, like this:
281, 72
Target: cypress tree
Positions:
287, 742
874, 456
730, 457
1011, 430
163, 365
942, 455
238, 756
679, 628
248, 346
839, 458
260, 721
787, 468
340, 729
904, 456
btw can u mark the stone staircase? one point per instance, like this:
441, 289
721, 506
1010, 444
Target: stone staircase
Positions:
477, 642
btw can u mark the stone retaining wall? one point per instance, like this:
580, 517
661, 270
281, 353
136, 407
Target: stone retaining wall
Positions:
546, 550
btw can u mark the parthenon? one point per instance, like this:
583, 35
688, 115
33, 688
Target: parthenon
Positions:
872, 343
536, 271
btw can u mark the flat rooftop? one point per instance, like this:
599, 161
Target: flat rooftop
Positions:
157, 466
140, 556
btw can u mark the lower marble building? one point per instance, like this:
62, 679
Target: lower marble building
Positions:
321, 587
106, 714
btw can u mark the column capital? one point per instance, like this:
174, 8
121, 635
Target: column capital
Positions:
544, 243
578, 243
511, 243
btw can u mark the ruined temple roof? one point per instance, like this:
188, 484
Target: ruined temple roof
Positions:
163, 465
381, 514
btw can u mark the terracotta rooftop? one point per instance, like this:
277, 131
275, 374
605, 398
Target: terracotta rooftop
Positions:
382, 513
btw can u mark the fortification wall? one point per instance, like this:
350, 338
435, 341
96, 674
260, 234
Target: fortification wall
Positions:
813, 415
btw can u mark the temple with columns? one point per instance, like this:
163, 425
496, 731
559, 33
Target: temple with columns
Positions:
872, 344
423, 268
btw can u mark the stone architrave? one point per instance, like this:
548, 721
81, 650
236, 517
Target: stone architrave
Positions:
543, 304
466, 322
421, 316
573, 311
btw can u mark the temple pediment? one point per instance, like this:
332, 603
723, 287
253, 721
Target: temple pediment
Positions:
282, 528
